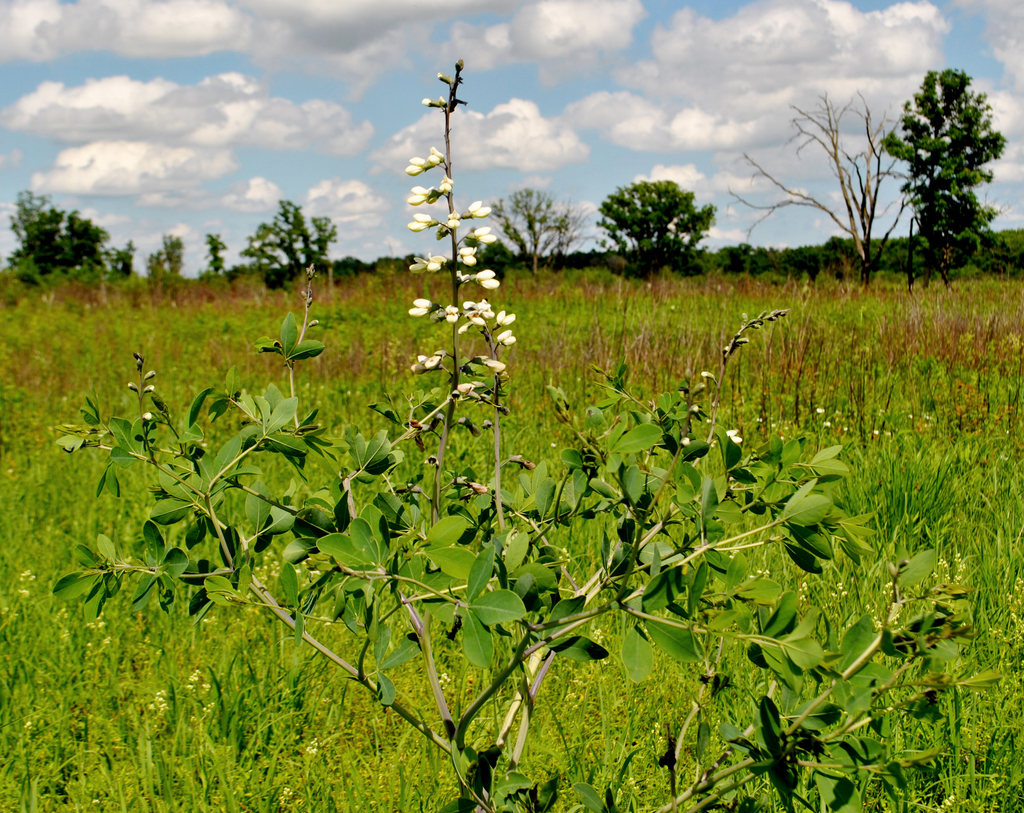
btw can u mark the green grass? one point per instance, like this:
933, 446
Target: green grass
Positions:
144, 712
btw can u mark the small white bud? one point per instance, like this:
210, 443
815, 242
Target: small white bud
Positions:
501, 338
424, 219
418, 311
490, 284
465, 327
132, 386
418, 369
418, 227
505, 319
423, 303
488, 274
495, 365
469, 260
413, 170
483, 211
147, 416
416, 200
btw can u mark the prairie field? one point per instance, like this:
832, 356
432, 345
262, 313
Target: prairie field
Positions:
150, 712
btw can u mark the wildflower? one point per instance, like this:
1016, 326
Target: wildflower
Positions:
734, 436
446, 185
419, 195
421, 307
451, 314
479, 211
494, 365
504, 319
416, 226
437, 157
453, 222
434, 262
820, 411
506, 338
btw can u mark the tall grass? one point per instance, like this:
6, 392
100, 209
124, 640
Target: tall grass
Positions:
146, 713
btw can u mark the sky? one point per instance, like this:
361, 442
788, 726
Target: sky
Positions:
190, 117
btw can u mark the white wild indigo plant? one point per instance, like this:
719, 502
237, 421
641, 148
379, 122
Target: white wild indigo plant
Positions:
400, 562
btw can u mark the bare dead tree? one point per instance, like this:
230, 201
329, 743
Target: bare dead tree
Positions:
540, 227
860, 175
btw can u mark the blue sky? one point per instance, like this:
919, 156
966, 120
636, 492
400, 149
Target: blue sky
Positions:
197, 116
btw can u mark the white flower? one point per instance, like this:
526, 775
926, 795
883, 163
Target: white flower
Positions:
465, 327
421, 307
469, 259
424, 219
483, 211
487, 239
504, 319
451, 314
734, 435
436, 157
506, 338
495, 365
435, 262
467, 251
488, 274
414, 170
485, 309
417, 162
446, 186
416, 200
416, 226
453, 222
489, 284
419, 265
467, 387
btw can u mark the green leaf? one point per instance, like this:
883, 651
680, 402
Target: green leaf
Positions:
544, 496
290, 584
498, 607
385, 688
517, 545
85, 557
257, 510
917, 568
168, 512
805, 508
196, 406
175, 563
345, 551
106, 548
708, 501
289, 334
75, 584
661, 591
408, 649
298, 550
447, 531
455, 562
638, 439
579, 648
307, 349
856, 641
838, 793
287, 445
282, 413
804, 652
459, 806
476, 641
480, 573
677, 642
637, 655
122, 457
591, 798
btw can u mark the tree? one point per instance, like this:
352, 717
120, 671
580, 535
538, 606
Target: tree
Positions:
215, 248
284, 248
539, 226
53, 241
168, 261
860, 174
946, 139
655, 224
121, 261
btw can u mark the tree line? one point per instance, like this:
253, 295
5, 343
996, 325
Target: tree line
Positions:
937, 151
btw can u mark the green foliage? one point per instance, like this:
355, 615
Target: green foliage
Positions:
52, 241
656, 225
215, 248
946, 140
167, 262
280, 251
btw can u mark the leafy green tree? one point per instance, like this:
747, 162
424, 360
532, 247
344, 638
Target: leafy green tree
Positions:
281, 250
169, 260
54, 241
215, 248
655, 224
946, 138
539, 226
121, 261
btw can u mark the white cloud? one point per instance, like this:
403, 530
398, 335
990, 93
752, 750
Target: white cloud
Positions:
131, 167
1005, 30
571, 34
777, 52
355, 207
12, 160
255, 195
692, 179
44, 29
532, 182
226, 110
513, 135
105, 220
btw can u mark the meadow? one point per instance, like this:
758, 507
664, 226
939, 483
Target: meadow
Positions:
148, 712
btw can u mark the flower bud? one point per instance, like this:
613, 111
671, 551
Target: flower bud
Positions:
150, 388
418, 227
132, 386
149, 375
489, 284
446, 79
482, 212
436, 153
446, 186
494, 365
465, 327
488, 274
469, 260
451, 314
419, 311
502, 337
417, 162
424, 219
453, 222
416, 200
418, 369
147, 416
505, 319
423, 303
413, 170
487, 239
418, 266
